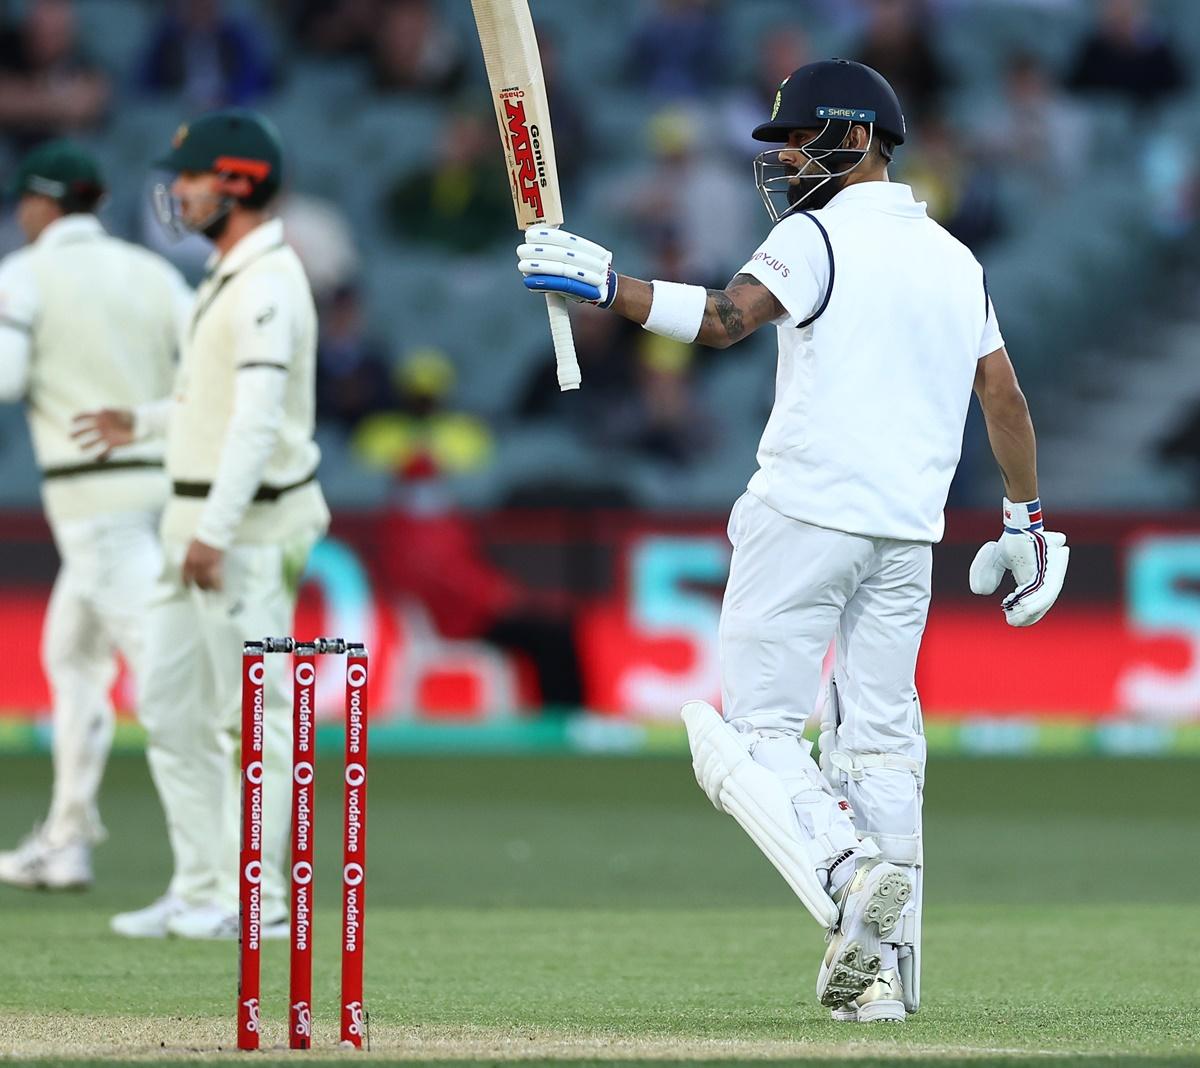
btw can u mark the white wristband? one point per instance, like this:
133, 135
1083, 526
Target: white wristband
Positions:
677, 310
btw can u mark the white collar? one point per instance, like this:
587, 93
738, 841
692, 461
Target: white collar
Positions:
70, 228
895, 197
261, 239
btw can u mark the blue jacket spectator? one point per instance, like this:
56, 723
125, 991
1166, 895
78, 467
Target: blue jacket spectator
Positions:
677, 52
214, 59
1127, 54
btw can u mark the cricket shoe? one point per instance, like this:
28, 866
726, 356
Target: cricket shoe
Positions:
213, 923
150, 922
37, 865
883, 1000
870, 907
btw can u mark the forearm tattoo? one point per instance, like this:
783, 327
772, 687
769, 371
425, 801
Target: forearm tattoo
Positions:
731, 316
729, 313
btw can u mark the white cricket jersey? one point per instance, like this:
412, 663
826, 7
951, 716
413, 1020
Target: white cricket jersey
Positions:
887, 315
90, 322
240, 449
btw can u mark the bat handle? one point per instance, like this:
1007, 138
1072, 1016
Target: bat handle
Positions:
564, 344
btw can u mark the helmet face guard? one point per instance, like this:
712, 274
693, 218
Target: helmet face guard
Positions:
168, 210
785, 188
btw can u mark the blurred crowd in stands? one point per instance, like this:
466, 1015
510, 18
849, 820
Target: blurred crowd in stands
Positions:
686, 200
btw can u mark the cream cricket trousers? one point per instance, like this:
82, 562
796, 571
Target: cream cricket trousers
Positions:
96, 610
793, 589
191, 709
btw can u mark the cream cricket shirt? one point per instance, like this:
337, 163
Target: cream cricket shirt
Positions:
240, 449
86, 322
887, 315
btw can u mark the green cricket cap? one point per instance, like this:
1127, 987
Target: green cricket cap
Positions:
234, 141
59, 170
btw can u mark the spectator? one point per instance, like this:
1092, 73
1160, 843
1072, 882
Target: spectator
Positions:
605, 345
317, 229
212, 58
898, 42
353, 378
423, 437
48, 86
663, 419
571, 145
677, 52
438, 561
1037, 134
332, 27
689, 200
461, 200
961, 194
781, 50
1126, 54
415, 51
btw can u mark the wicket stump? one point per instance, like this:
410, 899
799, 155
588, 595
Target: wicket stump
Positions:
354, 857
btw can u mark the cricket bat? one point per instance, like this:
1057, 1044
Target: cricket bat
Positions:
514, 70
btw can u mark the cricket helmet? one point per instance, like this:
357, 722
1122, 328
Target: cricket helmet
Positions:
64, 172
233, 143
831, 96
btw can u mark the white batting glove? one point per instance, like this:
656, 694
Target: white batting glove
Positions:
558, 261
1037, 559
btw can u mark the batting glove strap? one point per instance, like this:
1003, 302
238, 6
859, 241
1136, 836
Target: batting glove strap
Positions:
557, 261
574, 288
1026, 515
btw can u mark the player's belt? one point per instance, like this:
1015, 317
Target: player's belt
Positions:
263, 493
98, 466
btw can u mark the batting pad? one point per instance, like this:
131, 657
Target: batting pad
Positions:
757, 800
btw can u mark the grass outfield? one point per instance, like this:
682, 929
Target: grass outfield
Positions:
598, 911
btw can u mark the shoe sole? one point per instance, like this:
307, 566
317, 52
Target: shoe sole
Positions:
855, 966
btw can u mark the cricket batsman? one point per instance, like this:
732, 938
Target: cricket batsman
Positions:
244, 512
86, 320
885, 327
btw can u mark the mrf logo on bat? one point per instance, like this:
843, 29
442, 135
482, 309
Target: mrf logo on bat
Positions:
528, 166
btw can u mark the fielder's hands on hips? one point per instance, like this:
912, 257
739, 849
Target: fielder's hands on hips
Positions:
1037, 559
558, 261
202, 566
106, 429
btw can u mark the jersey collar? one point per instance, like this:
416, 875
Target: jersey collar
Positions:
70, 228
893, 197
261, 239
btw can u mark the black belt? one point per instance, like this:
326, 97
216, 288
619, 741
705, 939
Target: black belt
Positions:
97, 466
263, 493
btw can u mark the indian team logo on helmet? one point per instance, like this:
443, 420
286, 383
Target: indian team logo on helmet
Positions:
180, 135
778, 99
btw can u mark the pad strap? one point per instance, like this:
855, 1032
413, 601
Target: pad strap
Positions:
856, 764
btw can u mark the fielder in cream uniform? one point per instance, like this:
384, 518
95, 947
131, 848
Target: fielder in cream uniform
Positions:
885, 328
85, 320
245, 511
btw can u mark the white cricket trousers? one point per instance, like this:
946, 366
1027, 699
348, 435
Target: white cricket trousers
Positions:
793, 589
96, 610
191, 709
